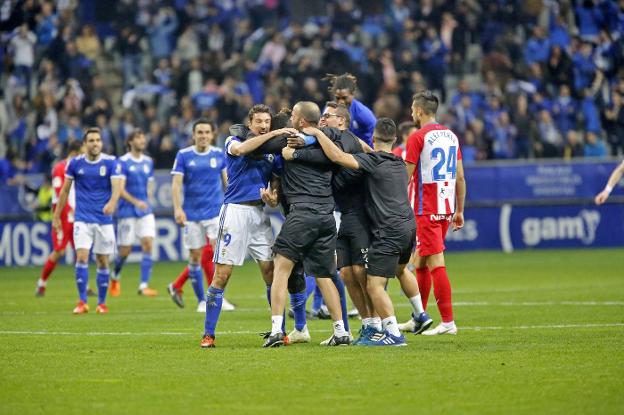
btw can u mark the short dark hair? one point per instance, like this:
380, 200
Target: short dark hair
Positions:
405, 127
309, 111
205, 121
341, 110
385, 130
259, 109
89, 131
73, 146
280, 120
344, 81
427, 101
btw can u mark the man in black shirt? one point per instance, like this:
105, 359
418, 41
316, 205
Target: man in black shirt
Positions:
308, 234
393, 226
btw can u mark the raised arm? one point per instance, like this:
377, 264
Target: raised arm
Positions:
615, 177
331, 150
237, 148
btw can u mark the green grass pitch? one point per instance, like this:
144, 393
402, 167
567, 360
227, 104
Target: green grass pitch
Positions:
539, 332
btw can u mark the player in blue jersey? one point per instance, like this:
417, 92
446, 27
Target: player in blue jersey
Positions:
244, 227
198, 173
98, 181
363, 121
135, 220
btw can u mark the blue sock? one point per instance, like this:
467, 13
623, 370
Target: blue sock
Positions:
298, 304
317, 301
310, 286
146, 268
214, 301
195, 275
102, 283
343, 299
119, 263
82, 279
268, 293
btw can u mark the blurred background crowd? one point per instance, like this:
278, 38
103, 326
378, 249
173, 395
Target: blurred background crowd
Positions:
518, 79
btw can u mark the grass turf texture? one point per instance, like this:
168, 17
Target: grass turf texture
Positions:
144, 357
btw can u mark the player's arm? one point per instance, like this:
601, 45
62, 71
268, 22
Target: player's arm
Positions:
331, 150
151, 188
615, 177
460, 197
116, 187
176, 197
224, 178
237, 148
271, 196
127, 196
62, 201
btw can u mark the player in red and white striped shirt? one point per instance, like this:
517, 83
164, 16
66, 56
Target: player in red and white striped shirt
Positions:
434, 165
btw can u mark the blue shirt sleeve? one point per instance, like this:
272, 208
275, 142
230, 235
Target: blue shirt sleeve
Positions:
70, 169
178, 164
116, 169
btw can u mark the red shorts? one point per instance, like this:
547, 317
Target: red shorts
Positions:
63, 236
430, 233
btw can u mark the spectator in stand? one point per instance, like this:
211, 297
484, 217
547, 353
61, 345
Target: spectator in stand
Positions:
537, 48
583, 67
574, 145
564, 110
504, 137
88, 43
549, 143
594, 146
23, 45
160, 32
614, 123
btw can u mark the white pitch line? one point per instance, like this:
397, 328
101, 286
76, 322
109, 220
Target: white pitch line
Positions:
235, 332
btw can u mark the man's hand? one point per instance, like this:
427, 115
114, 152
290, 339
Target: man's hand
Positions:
270, 197
109, 208
287, 153
56, 223
602, 197
458, 221
296, 141
142, 205
286, 131
311, 131
180, 216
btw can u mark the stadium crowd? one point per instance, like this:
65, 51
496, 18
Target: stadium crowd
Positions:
519, 79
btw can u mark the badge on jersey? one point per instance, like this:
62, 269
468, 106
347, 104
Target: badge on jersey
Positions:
213, 162
103, 171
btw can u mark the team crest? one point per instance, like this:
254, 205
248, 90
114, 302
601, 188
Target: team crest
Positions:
103, 171
213, 163
131, 168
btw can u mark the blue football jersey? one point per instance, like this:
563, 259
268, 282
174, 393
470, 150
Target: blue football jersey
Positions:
203, 188
138, 173
92, 184
246, 174
362, 121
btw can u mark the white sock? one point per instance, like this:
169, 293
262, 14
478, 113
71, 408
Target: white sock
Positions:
142, 286
417, 304
276, 324
339, 329
376, 323
366, 321
391, 326
448, 324
41, 283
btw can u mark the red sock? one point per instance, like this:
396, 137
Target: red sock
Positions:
442, 292
47, 269
207, 264
423, 276
179, 283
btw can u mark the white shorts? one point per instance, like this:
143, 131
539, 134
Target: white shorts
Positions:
132, 230
101, 237
194, 233
243, 229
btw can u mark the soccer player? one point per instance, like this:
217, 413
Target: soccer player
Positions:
308, 234
98, 181
434, 164
244, 226
362, 120
615, 177
135, 218
391, 220
65, 234
199, 173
